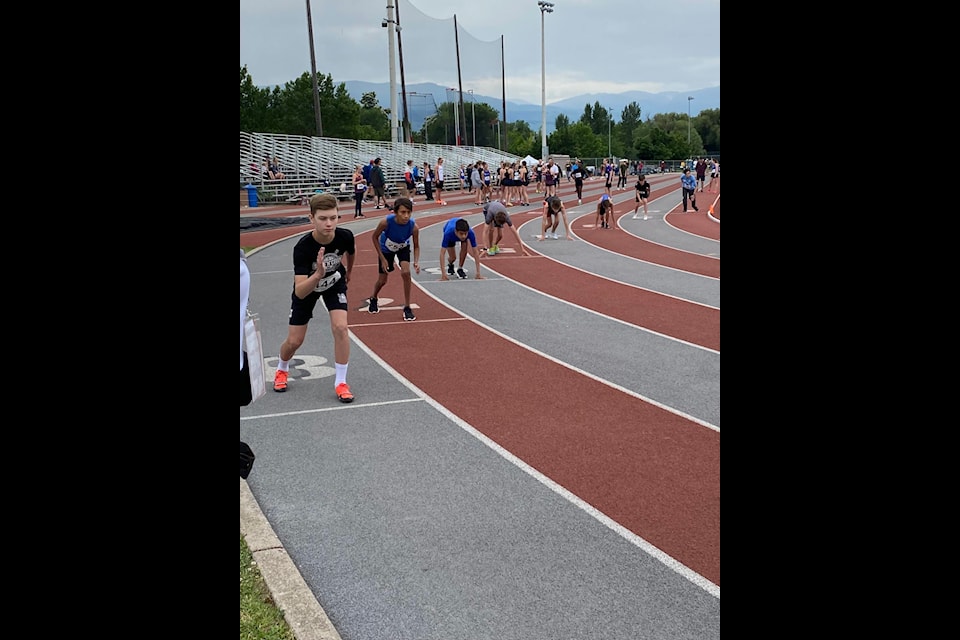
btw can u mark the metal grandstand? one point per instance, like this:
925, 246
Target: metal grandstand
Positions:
310, 163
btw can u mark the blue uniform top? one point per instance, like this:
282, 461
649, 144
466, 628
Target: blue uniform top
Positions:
450, 238
396, 236
688, 180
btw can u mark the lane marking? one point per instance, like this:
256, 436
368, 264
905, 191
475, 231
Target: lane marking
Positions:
354, 405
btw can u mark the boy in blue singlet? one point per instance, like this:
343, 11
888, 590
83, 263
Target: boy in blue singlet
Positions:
392, 238
458, 231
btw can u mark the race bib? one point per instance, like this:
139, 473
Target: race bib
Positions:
577, 175
327, 282
395, 246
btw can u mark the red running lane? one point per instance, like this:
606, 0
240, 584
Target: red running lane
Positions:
655, 473
688, 321
627, 244
698, 222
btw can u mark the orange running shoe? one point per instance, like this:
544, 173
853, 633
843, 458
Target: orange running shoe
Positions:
280, 381
343, 392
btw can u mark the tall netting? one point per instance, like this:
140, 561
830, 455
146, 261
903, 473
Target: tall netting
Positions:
430, 55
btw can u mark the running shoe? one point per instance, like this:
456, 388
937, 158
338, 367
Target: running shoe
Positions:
450, 268
645, 217
494, 250
408, 314
372, 306
462, 274
280, 381
554, 236
343, 392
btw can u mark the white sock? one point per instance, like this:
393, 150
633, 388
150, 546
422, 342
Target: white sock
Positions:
341, 373
283, 365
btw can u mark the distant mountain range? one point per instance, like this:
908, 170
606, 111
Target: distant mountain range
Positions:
650, 103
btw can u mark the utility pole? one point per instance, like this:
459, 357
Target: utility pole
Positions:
313, 74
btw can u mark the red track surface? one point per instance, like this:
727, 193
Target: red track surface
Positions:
655, 473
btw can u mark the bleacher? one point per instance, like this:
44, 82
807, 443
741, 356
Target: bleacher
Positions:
311, 163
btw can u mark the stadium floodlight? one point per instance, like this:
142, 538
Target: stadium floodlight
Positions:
545, 7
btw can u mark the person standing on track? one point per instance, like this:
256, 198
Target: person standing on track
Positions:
496, 216
322, 262
701, 170
577, 170
440, 181
378, 181
477, 181
643, 192
359, 189
457, 230
550, 175
553, 210
689, 184
714, 184
608, 173
391, 240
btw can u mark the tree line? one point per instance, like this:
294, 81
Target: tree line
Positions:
289, 110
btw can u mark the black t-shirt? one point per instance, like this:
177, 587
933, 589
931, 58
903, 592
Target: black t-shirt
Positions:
305, 256
643, 189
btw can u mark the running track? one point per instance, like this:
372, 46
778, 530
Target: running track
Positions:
647, 466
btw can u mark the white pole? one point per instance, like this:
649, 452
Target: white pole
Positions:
545, 7
391, 27
473, 115
543, 91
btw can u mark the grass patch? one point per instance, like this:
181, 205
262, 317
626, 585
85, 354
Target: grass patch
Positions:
260, 619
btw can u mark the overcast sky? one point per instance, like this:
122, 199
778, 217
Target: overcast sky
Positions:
592, 46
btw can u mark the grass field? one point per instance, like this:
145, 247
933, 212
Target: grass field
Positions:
260, 619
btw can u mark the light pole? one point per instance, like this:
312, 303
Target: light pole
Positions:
473, 114
391, 24
545, 7
609, 121
689, 98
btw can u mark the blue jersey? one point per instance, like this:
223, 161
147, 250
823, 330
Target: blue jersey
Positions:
688, 181
396, 236
450, 238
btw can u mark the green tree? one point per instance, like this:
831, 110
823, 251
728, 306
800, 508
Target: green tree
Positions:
707, 125
253, 104
522, 140
374, 120
629, 121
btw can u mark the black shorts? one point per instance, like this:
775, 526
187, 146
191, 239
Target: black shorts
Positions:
333, 298
402, 256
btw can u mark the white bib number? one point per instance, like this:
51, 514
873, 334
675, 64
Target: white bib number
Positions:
395, 246
329, 281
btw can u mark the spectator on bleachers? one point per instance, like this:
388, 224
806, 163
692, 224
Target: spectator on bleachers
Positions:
273, 170
277, 169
